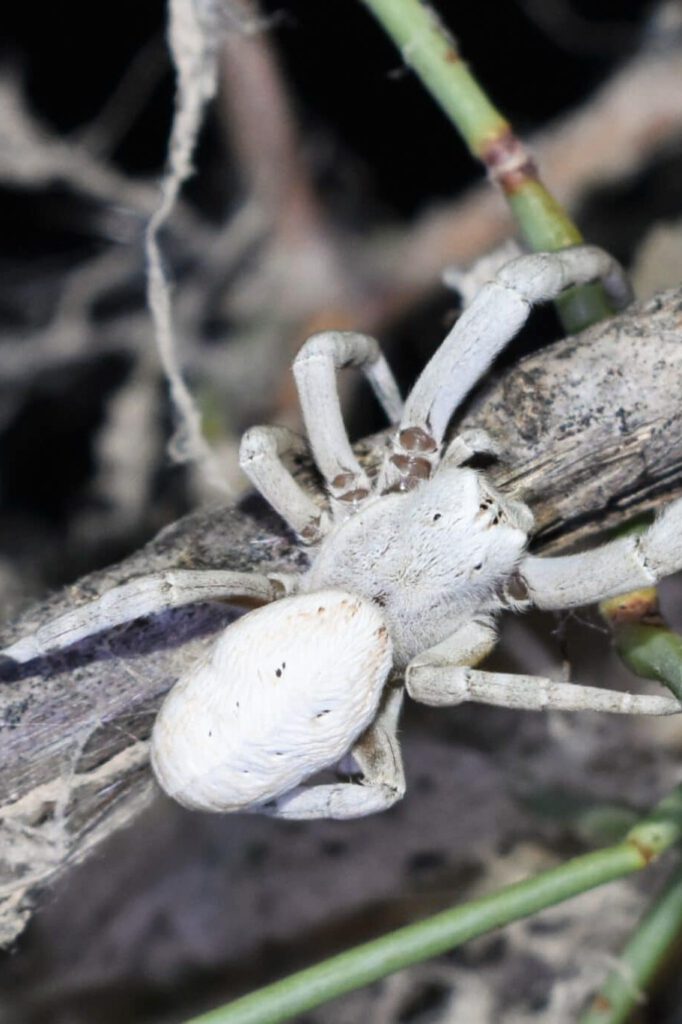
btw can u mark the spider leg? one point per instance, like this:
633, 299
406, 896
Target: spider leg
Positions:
467, 445
496, 314
260, 456
315, 369
377, 754
441, 676
624, 564
146, 595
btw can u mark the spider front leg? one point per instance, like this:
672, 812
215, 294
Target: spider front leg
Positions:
315, 369
496, 314
443, 676
260, 456
624, 564
146, 595
377, 755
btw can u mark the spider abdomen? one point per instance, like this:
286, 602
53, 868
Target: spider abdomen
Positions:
285, 692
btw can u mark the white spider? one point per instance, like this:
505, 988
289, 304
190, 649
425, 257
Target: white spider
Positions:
409, 570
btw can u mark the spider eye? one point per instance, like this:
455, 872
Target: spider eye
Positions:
438, 515
477, 568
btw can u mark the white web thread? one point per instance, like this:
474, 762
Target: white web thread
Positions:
193, 45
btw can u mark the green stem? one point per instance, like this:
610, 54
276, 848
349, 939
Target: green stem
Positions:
640, 633
641, 958
428, 48
653, 652
417, 942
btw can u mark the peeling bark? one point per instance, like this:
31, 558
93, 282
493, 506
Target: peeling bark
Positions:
591, 429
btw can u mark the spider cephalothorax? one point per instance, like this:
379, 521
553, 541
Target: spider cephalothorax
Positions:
430, 557
409, 568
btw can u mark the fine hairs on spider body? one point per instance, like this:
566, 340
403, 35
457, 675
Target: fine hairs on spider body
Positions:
409, 570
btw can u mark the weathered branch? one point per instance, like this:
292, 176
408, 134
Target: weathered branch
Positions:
592, 430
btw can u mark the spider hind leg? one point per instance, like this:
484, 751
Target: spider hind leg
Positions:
376, 754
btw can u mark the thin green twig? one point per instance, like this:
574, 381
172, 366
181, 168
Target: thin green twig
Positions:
652, 650
641, 635
641, 959
430, 50
369, 962
643, 638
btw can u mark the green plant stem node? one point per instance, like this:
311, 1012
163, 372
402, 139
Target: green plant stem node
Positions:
428, 48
